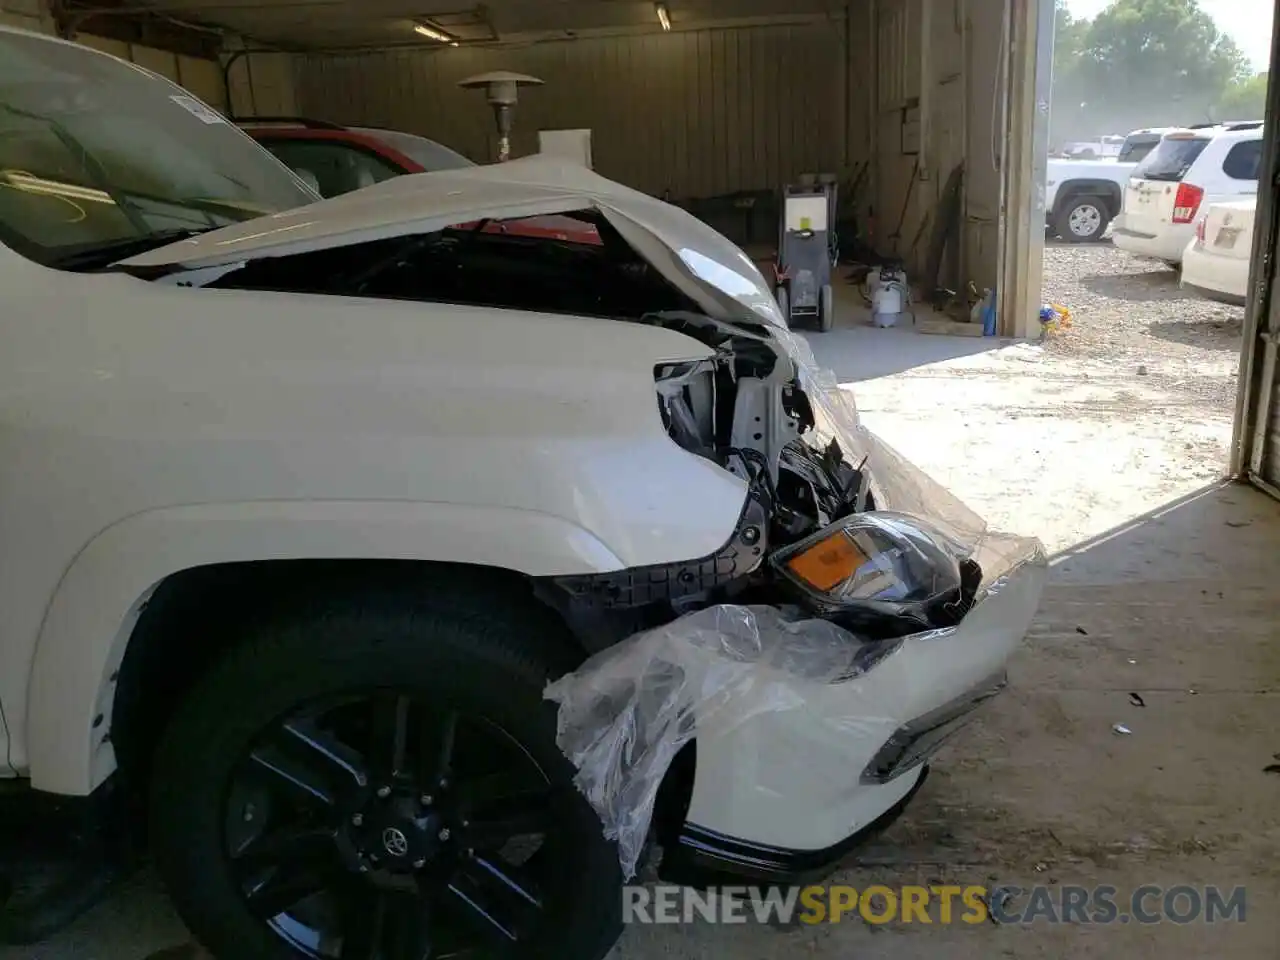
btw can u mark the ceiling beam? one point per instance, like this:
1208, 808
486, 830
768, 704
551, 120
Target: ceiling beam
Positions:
130, 23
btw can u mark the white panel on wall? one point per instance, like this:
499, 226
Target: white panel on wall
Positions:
117, 48
27, 14
262, 84
204, 79
157, 61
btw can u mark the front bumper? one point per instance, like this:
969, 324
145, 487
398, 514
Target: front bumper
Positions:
813, 775
703, 857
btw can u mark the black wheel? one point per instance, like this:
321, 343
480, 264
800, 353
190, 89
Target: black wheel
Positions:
826, 309
1082, 220
383, 784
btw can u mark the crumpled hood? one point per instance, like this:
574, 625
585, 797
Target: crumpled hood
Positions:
702, 263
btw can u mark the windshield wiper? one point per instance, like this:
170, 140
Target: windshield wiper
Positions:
104, 254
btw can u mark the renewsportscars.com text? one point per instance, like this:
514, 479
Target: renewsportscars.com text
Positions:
939, 904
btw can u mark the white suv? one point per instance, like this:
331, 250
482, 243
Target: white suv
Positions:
305, 502
1187, 171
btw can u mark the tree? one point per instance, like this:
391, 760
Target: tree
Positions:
1142, 63
1244, 101
1069, 38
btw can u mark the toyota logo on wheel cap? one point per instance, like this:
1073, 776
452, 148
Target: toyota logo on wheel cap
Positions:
395, 842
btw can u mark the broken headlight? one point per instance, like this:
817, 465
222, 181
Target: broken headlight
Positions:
883, 571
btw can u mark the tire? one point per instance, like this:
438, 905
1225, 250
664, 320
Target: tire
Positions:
1082, 219
784, 304
826, 309
482, 662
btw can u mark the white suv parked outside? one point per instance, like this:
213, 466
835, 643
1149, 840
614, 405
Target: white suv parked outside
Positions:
1188, 171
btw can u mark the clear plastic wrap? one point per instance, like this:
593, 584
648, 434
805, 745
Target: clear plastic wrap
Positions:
625, 714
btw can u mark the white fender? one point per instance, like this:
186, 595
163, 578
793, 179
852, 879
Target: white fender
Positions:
92, 614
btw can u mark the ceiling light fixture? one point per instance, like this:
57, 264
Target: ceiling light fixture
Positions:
435, 33
664, 17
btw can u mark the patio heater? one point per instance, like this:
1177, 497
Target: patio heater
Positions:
501, 89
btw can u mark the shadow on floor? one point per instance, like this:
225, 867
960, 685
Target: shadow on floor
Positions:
864, 352
1207, 334
1148, 287
1133, 743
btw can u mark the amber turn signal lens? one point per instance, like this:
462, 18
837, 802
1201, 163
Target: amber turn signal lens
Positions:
828, 563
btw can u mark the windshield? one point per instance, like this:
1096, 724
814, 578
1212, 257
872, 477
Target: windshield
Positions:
1173, 158
1138, 147
99, 157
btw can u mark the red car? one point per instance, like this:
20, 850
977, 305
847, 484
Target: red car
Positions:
336, 160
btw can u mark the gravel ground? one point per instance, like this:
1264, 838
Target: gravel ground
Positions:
1131, 311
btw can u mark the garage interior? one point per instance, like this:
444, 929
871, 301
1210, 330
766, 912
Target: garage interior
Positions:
1166, 592
738, 98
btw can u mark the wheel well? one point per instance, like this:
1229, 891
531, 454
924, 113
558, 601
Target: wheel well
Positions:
1104, 190
193, 618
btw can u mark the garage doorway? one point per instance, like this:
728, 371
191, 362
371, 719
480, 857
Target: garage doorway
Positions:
1138, 375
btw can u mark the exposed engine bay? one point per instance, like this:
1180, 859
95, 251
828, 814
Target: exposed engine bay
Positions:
473, 266
744, 409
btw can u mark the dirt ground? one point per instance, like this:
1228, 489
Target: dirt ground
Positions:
1129, 407
1107, 444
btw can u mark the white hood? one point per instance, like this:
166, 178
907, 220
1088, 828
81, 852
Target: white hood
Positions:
704, 265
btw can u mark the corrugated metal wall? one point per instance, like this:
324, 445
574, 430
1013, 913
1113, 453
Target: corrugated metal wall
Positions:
936, 106
262, 84
27, 14
201, 77
697, 113
897, 31
984, 138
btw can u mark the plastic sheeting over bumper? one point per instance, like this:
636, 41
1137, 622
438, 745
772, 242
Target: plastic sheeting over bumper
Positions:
806, 731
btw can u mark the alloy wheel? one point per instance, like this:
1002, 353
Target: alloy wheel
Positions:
1085, 220
385, 827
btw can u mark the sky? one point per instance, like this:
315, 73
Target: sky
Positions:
1247, 22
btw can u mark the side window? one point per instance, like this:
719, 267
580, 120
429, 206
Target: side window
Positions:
1242, 161
369, 169
336, 168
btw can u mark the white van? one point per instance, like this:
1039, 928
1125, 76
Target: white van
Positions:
1189, 170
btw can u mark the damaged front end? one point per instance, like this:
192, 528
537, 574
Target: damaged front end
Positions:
760, 410
853, 623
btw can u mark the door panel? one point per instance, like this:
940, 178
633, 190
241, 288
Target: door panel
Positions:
1256, 438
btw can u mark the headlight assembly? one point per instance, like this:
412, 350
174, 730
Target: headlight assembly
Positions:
882, 565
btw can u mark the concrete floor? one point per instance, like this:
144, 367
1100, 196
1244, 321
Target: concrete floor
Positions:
1180, 607
1179, 604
